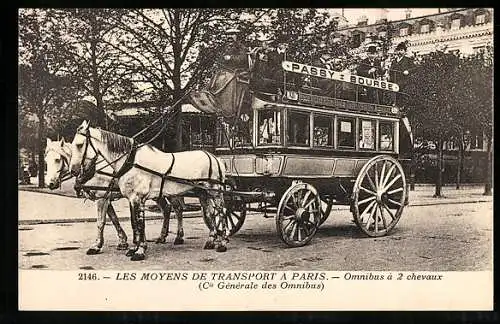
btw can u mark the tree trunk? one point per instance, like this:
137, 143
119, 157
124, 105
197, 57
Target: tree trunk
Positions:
487, 182
439, 174
41, 150
460, 158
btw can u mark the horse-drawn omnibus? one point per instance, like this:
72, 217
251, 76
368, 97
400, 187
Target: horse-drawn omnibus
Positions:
296, 150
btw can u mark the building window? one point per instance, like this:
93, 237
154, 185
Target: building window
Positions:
456, 23
346, 131
323, 131
478, 49
425, 28
403, 31
269, 122
382, 34
386, 130
298, 128
367, 134
356, 40
480, 19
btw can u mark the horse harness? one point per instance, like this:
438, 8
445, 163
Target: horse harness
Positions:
130, 163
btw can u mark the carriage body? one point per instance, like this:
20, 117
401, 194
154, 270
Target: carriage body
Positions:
301, 148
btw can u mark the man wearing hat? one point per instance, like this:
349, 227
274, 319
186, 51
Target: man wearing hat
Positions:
400, 69
235, 53
371, 67
401, 65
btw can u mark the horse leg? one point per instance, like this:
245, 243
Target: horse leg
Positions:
96, 247
222, 235
178, 207
133, 223
210, 243
140, 252
165, 208
123, 245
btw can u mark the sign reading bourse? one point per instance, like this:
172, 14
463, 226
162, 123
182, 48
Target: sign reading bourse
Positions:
338, 76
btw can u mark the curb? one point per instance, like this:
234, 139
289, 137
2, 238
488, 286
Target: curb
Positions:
94, 220
196, 214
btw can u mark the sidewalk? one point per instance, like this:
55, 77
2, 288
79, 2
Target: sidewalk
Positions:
41, 206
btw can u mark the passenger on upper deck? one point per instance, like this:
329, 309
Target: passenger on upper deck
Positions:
400, 69
235, 53
371, 67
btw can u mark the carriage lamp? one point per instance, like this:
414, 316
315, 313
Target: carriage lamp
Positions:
227, 57
405, 72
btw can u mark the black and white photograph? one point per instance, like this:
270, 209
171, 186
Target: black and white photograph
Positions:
245, 152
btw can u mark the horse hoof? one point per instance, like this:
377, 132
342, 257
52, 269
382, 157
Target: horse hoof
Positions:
209, 245
122, 246
161, 241
221, 248
137, 257
178, 241
130, 252
93, 251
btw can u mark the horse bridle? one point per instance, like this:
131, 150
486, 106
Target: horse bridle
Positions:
65, 161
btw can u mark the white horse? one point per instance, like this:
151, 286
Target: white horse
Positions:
57, 159
145, 172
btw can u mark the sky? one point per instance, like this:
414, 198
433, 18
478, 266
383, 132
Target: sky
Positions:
392, 13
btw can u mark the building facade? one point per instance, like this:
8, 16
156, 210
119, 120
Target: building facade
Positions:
466, 30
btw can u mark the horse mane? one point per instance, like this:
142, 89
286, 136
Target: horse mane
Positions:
115, 143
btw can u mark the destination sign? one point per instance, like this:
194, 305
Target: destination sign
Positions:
338, 76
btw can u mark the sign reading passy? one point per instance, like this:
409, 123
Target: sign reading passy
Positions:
338, 76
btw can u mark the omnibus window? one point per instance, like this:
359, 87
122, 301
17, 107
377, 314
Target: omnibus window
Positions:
386, 136
244, 130
346, 129
222, 133
269, 122
298, 128
367, 134
323, 131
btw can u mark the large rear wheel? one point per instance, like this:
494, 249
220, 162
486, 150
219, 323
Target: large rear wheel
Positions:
379, 195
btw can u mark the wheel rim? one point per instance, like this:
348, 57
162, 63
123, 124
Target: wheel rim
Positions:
378, 195
298, 215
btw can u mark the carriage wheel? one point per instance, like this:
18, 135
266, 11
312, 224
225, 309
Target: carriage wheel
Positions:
298, 215
235, 212
378, 195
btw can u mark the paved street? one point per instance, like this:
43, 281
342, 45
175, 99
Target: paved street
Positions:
453, 233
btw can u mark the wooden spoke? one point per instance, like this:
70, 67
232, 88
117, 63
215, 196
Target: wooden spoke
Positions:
388, 210
298, 233
376, 217
388, 175
368, 191
309, 203
305, 198
367, 200
392, 182
368, 208
382, 176
293, 230
395, 202
394, 191
231, 221
371, 181
382, 216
